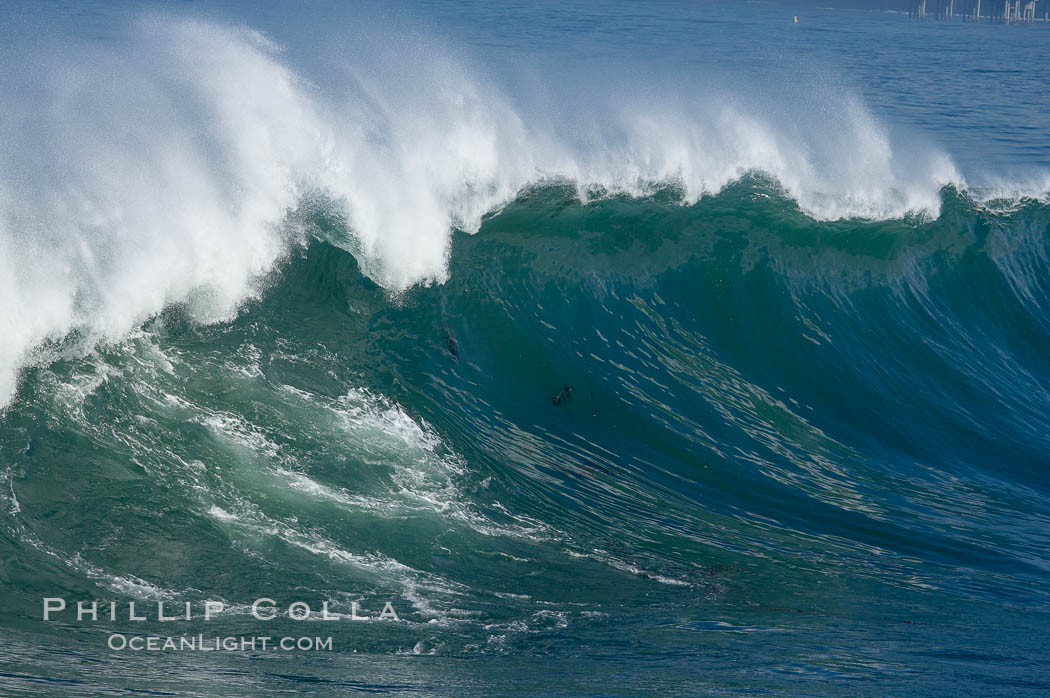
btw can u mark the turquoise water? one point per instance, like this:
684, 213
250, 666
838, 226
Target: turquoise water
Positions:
665, 349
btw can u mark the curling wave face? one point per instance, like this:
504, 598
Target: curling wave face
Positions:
163, 169
606, 415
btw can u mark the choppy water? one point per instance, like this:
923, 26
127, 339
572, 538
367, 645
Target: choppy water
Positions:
625, 349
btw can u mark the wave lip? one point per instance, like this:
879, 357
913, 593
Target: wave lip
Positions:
163, 169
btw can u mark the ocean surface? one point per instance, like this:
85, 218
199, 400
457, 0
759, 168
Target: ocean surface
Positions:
622, 348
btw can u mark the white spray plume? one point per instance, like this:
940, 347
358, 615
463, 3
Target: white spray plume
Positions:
160, 170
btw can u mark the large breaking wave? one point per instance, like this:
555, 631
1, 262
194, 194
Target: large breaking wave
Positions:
168, 167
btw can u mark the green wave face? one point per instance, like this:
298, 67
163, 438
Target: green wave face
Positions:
621, 423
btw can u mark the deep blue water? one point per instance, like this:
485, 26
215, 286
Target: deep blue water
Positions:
623, 348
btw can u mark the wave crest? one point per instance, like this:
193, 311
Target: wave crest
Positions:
163, 169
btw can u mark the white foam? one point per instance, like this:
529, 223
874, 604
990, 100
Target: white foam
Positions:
161, 169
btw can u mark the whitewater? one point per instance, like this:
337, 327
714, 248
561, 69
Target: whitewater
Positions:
168, 169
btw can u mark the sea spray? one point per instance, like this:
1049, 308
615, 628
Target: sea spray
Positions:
162, 169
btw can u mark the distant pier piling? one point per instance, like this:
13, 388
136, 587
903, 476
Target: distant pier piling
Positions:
1013, 12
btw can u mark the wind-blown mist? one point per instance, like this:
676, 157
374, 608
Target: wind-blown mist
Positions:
164, 168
